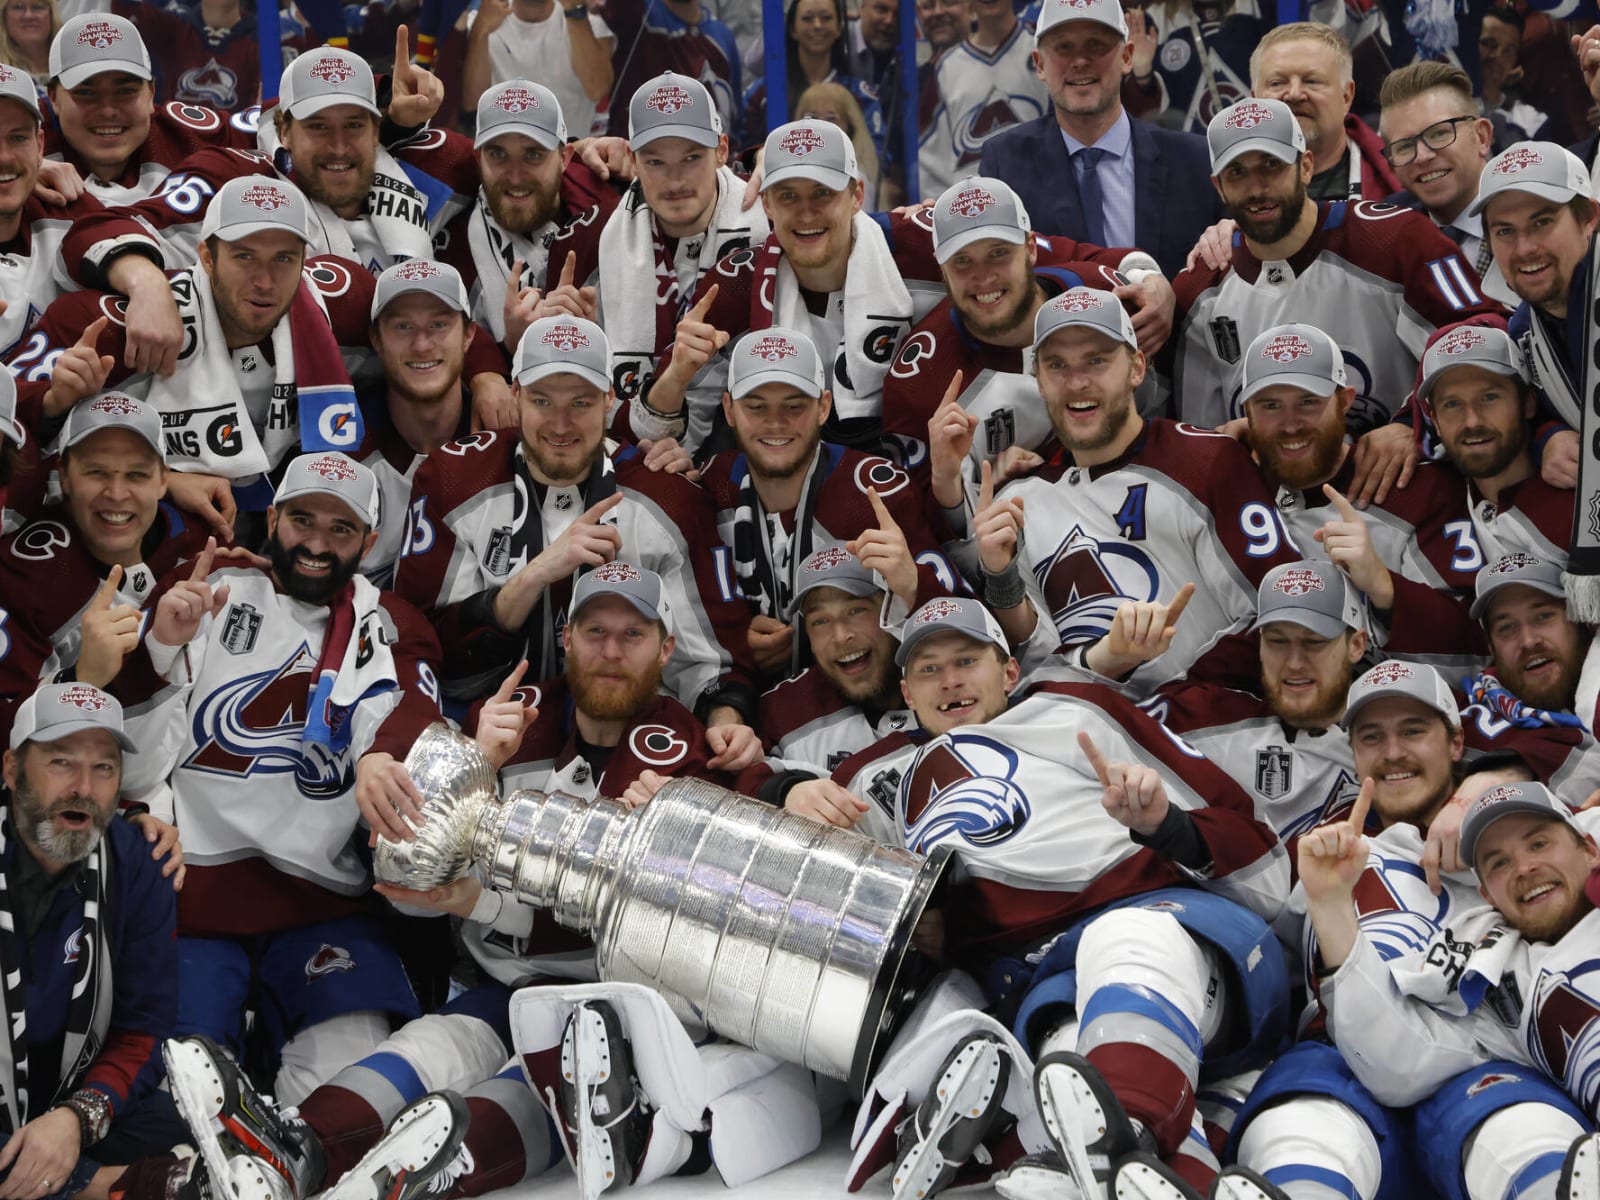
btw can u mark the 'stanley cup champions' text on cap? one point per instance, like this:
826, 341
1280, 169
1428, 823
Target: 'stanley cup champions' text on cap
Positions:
1542, 169
673, 105
1471, 346
974, 209
330, 473
950, 614
437, 279
94, 43
1300, 356
1312, 594
58, 710
1411, 680
774, 355
558, 345
256, 204
520, 106
1086, 307
1265, 125
814, 150
639, 587
323, 78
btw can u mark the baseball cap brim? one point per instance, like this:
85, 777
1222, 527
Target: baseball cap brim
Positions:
232, 233
543, 137
639, 604
1317, 385
1319, 623
1480, 604
61, 729
1351, 712
285, 497
1555, 192
749, 383
1272, 146
539, 371
947, 249
828, 177
922, 633
83, 434
71, 77
311, 105
848, 584
697, 134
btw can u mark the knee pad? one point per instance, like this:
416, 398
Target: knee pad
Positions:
1313, 1138
318, 1052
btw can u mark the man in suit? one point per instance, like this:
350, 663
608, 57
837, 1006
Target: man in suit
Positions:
1085, 169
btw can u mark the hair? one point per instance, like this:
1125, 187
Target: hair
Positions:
838, 56
1507, 15
1410, 82
1303, 31
9, 54
837, 97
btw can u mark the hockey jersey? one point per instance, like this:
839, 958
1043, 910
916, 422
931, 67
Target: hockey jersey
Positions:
1019, 804
457, 549
1376, 278
30, 267
973, 95
177, 130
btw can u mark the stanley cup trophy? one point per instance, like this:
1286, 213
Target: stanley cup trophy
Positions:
769, 928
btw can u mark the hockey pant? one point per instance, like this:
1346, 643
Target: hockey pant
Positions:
760, 1113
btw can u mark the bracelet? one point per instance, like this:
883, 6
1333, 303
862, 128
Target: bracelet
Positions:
576, 13
1006, 589
93, 1111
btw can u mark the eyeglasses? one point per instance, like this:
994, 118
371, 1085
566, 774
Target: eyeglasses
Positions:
1438, 135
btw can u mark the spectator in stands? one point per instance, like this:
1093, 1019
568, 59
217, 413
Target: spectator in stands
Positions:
1190, 60
874, 36
834, 103
1307, 66
674, 35
564, 46
814, 48
206, 53
1499, 43
26, 30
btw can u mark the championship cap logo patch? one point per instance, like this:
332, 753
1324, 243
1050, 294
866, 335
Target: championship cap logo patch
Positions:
774, 349
1517, 160
1498, 795
973, 202
566, 338
417, 268
937, 610
116, 404
1512, 563
265, 197
1286, 348
516, 100
1390, 672
332, 70
801, 142
1078, 300
827, 560
7, 74
1459, 341
335, 468
1298, 581
617, 572
87, 698
668, 99
99, 34
1247, 115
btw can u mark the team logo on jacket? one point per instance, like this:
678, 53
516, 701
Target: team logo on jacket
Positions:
516, 100
973, 202
332, 70
1274, 772
1298, 581
329, 960
668, 99
1459, 341
1247, 115
212, 84
83, 696
1086, 579
1286, 348
1565, 1031
962, 789
1484, 1082
657, 745
801, 142
102, 35
73, 947
265, 196
774, 348
566, 338
1517, 160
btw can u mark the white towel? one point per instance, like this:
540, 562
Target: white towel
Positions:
495, 249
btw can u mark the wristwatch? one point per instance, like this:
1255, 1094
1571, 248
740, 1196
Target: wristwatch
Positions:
94, 1114
576, 13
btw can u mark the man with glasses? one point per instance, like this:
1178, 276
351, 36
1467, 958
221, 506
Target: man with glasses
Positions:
1437, 144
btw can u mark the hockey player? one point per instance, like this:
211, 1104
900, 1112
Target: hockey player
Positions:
496, 578
1310, 1126
1100, 904
1539, 652
278, 702
1128, 509
785, 492
1378, 280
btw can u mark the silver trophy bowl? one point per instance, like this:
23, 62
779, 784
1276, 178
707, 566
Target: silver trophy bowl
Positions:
771, 929
459, 787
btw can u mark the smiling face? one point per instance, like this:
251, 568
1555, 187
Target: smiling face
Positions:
64, 793
851, 648
1265, 195
951, 680
1298, 436
1445, 180
521, 181
812, 222
814, 25
1538, 650
315, 543
1087, 381
1482, 419
422, 343
1533, 869
335, 155
28, 26
944, 22
679, 178
113, 483
1307, 676
1409, 752
991, 284
778, 427
1306, 74
563, 421
21, 152
1537, 245
254, 280
879, 24
106, 119
615, 656
1082, 64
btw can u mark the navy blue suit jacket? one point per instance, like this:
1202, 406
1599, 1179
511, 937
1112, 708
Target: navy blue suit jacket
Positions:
1174, 202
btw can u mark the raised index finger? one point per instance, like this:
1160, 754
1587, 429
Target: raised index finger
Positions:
952, 391
1096, 759
1175, 609
402, 52
985, 485
1347, 511
107, 592
92, 332
703, 305
202, 563
885, 521
1358, 814
511, 681
568, 269
601, 508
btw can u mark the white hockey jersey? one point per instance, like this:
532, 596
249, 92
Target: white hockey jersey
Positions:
978, 94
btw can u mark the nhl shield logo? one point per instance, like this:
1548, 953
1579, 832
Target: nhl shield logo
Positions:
1517, 160
241, 629
1225, 339
1274, 772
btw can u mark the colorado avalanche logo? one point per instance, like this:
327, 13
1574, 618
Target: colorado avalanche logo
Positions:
1459, 341
774, 349
417, 268
335, 468
1287, 348
801, 142
102, 35
1517, 160
1384, 674
265, 197
332, 70
212, 84
1247, 115
516, 100
328, 960
1564, 1034
936, 610
668, 100
973, 202
566, 338
73, 947
1484, 1082
1077, 300
826, 560
1298, 581
962, 789
1086, 579
657, 745
116, 404
87, 698
1509, 564
617, 572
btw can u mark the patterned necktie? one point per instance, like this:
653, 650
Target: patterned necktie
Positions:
1087, 161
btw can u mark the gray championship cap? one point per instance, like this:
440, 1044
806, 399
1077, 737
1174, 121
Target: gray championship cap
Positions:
775, 355
519, 106
1411, 680
10, 427
640, 588
975, 209
1265, 125
1311, 593
1087, 307
94, 43
834, 567
324, 77
58, 710
814, 150
557, 345
950, 614
332, 474
437, 279
1471, 346
1058, 12
1537, 573
14, 85
1297, 355
112, 410
673, 105
256, 204
1542, 169
1503, 801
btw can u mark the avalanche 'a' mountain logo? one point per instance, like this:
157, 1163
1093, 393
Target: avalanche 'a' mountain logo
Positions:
1085, 580
960, 788
253, 725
